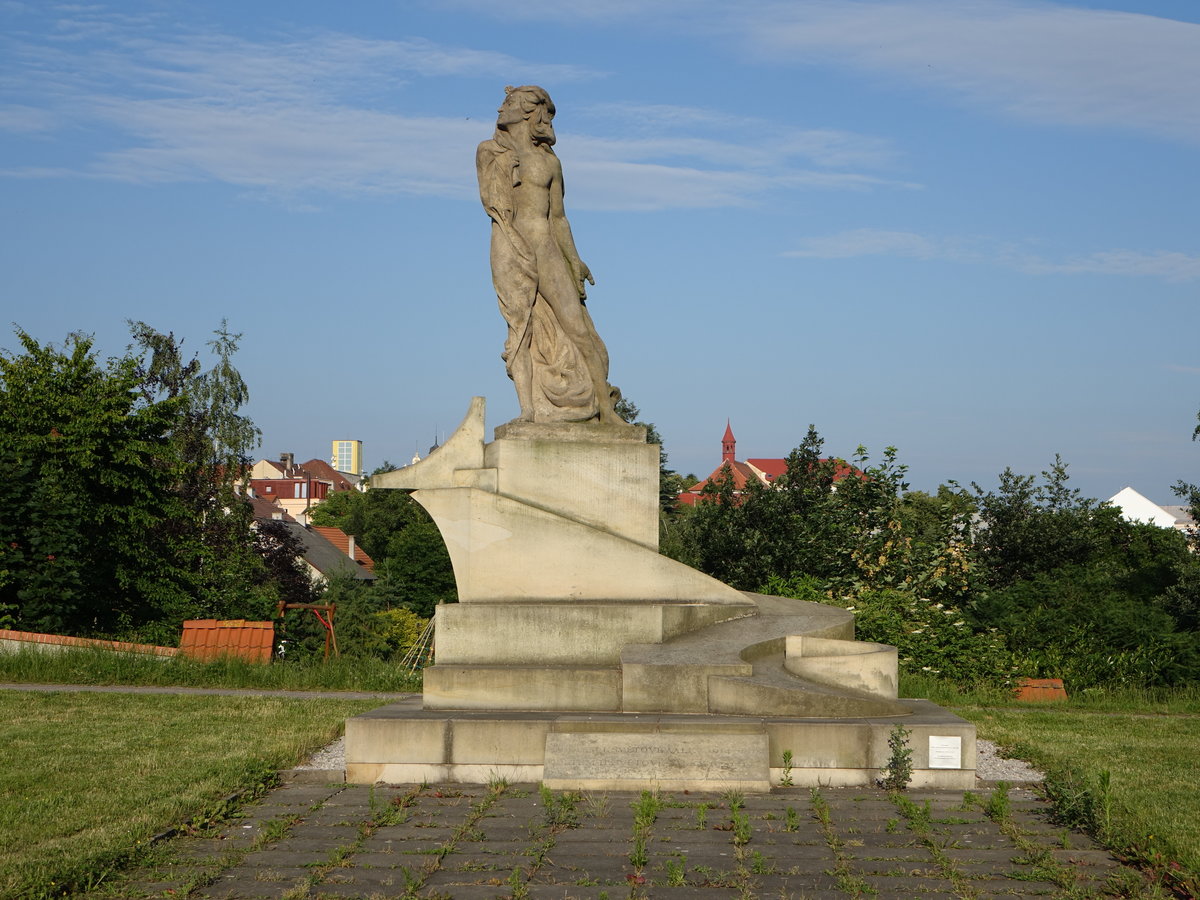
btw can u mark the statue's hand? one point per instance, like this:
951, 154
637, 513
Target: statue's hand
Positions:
583, 273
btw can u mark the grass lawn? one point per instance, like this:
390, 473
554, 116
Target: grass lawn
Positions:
89, 666
1151, 760
1146, 740
86, 779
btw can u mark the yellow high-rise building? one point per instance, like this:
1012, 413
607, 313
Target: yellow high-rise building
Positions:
347, 457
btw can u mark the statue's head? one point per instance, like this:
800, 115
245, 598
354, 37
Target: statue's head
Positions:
528, 103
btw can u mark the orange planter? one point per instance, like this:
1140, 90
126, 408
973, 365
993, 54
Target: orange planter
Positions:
1040, 689
214, 638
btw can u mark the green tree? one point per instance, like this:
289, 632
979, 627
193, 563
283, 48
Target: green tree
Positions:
211, 442
90, 476
410, 556
670, 482
1027, 527
839, 524
1081, 593
121, 515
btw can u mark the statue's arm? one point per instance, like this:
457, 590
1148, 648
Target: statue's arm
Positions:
494, 168
562, 233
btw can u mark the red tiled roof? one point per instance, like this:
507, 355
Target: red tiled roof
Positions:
341, 540
739, 471
772, 468
318, 468
265, 508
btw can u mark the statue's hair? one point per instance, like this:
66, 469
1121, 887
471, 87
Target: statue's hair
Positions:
538, 109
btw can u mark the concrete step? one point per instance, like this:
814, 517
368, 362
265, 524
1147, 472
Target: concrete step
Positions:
737, 668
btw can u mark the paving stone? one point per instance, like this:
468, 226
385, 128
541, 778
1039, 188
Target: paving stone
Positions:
980, 855
276, 857
593, 858
587, 847
381, 859
894, 854
771, 886
1007, 887
242, 884
908, 883
367, 879
1088, 858
926, 868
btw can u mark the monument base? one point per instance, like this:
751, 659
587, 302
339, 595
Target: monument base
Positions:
405, 743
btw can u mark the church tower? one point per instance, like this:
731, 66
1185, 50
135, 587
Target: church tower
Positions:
728, 444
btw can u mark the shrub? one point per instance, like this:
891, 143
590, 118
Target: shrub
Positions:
400, 629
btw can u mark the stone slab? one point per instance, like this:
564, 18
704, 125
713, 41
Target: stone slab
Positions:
606, 480
578, 634
457, 687
577, 760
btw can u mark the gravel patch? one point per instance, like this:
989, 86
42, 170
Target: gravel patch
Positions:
331, 757
990, 765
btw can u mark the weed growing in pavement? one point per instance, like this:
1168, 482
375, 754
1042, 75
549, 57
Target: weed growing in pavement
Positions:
645, 812
1044, 865
646, 807
677, 871
786, 779
898, 772
638, 856
847, 880
597, 805
517, 888
740, 825
997, 805
791, 819
702, 816
920, 822
734, 799
561, 811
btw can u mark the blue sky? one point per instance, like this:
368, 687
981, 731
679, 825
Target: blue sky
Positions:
965, 228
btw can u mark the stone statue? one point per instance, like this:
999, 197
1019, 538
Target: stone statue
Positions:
552, 353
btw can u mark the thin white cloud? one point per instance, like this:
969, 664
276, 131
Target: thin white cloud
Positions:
293, 150
1034, 60
654, 123
1031, 59
1164, 265
1185, 370
323, 113
20, 119
879, 242
678, 13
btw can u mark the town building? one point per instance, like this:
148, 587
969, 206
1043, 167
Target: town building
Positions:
1135, 507
764, 470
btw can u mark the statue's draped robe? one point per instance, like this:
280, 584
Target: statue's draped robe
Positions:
562, 387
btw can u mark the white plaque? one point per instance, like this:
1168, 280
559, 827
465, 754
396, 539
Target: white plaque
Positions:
945, 752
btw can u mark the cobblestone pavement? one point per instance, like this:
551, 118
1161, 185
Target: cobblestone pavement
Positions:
308, 840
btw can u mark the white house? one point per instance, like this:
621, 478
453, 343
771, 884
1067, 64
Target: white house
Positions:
1136, 508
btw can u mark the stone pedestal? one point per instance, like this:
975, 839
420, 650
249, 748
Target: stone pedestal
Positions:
578, 655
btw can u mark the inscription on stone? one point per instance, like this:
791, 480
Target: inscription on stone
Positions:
945, 752
695, 761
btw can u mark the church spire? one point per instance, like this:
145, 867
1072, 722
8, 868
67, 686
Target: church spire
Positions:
728, 444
